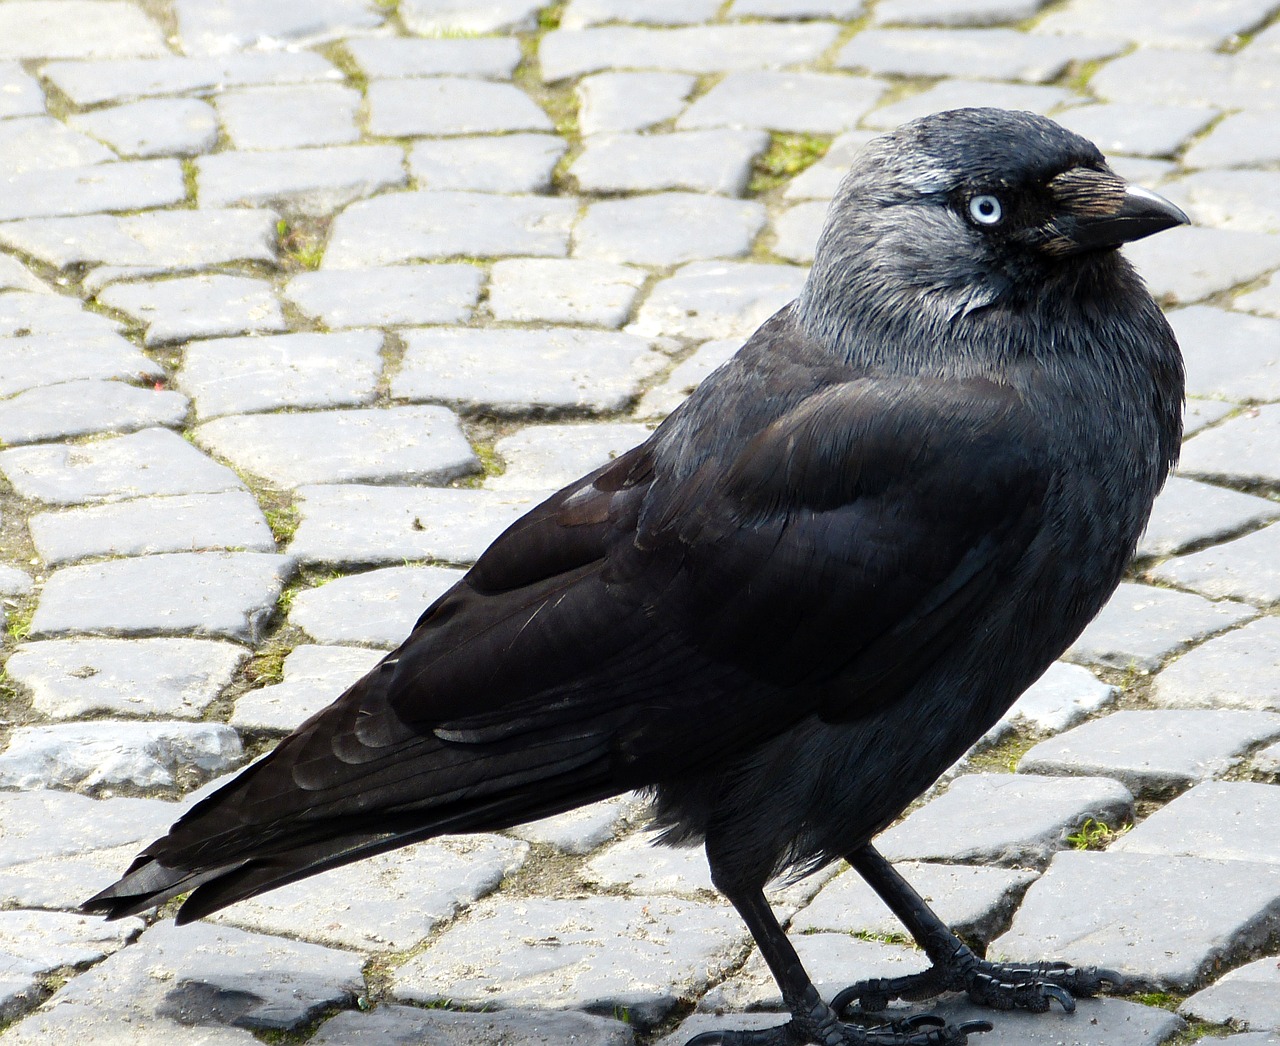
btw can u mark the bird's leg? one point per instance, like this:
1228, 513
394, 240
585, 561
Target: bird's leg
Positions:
812, 1020
1002, 986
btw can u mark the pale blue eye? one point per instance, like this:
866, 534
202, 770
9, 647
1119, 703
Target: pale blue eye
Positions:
986, 210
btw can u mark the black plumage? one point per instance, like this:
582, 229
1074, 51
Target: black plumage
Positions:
803, 598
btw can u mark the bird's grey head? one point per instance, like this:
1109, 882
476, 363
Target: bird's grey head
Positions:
957, 211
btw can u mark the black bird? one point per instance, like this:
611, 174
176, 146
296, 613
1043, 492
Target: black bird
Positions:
804, 596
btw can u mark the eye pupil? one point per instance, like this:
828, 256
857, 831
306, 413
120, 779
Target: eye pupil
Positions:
986, 209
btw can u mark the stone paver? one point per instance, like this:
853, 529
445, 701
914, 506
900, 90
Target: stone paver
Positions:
236, 237
166, 677
1151, 751
225, 375
1141, 626
377, 608
179, 523
516, 372
552, 954
152, 462
1009, 819
343, 446
384, 297
1236, 670
1230, 820
1161, 922
353, 524
231, 594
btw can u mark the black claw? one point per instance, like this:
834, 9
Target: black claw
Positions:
922, 1020
974, 1027
1063, 996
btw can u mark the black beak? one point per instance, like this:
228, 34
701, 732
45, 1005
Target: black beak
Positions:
1097, 210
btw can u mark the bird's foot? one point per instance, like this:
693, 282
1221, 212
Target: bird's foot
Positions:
816, 1023
1000, 985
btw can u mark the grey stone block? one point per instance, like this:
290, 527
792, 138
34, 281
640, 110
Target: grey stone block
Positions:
22, 95
377, 608
41, 825
14, 582
1228, 355
1007, 819
447, 17
441, 105
390, 296
314, 676
547, 952
1199, 414
1267, 761
1191, 263
1242, 450
716, 300
1245, 568
228, 594
126, 185
23, 314
585, 828
347, 525
693, 49
562, 290
170, 240
688, 375
402, 227
409, 1026
547, 457
151, 462
77, 29
1236, 670
1233, 199
14, 276
92, 83
91, 1024
204, 976
1141, 130
1059, 699
1239, 140
638, 865
205, 306
493, 57
819, 103
517, 371
390, 901
796, 231
582, 13
105, 755
1185, 77
1106, 1022
958, 94
1189, 513
976, 902
176, 678
225, 375
797, 9
614, 102
289, 116
1246, 998
1226, 820
1183, 25
1136, 919
716, 161
305, 181
37, 361
509, 163
232, 25
1002, 54
1141, 625
142, 526
1264, 300
394, 444
41, 143
833, 960
1154, 751
79, 408
955, 12
153, 127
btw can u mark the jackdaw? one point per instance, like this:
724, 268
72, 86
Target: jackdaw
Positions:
817, 583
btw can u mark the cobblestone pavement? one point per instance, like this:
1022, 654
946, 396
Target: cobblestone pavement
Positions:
302, 302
